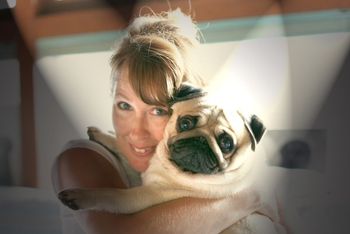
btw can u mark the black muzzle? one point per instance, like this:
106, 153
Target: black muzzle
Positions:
194, 155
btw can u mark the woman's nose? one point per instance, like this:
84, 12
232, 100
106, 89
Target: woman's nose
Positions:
139, 128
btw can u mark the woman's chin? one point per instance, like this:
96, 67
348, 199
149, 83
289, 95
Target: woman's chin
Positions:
140, 164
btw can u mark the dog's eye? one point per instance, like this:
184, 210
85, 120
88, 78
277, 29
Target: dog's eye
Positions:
226, 143
186, 123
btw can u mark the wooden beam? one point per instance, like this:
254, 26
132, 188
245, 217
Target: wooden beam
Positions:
300, 6
77, 22
105, 18
7, 26
25, 41
24, 13
28, 149
45, 7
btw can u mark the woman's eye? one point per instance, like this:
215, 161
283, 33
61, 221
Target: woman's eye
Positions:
186, 123
123, 106
226, 143
160, 111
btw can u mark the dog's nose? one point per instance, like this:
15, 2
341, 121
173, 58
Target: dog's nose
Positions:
195, 155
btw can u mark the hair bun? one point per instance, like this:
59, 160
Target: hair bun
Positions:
173, 26
185, 25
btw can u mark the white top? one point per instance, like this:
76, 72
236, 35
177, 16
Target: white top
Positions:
129, 176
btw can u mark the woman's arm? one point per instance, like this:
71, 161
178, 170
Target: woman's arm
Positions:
185, 215
83, 168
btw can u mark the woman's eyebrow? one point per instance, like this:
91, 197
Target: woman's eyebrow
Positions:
121, 94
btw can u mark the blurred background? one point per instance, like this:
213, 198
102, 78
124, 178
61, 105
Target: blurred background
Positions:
284, 60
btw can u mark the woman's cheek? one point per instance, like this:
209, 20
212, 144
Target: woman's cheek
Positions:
120, 122
159, 127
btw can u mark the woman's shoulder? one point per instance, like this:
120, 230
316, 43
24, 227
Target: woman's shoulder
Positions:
85, 168
92, 160
85, 144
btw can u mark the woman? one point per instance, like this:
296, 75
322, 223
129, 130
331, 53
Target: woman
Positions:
151, 62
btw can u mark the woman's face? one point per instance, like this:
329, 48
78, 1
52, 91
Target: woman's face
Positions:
139, 126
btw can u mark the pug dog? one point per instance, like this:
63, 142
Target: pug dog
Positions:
206, 152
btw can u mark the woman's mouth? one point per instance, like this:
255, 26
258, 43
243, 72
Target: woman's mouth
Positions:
143, 151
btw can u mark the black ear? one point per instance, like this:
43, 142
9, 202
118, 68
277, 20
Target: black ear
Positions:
186, 92
255, 128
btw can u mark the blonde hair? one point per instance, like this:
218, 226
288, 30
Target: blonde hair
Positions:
156, 51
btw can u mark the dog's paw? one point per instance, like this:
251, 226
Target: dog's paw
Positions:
93, 133
76, 199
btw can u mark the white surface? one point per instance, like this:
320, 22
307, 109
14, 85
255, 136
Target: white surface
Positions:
28, 211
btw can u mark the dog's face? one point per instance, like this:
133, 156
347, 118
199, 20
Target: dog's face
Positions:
204, 138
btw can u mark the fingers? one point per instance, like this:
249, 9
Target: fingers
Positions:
270, 211
67, 199
248, 199
260, 201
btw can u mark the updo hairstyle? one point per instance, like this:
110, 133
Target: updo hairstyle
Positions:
157, 53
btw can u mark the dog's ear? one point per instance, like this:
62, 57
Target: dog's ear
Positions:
186, 92
255, 127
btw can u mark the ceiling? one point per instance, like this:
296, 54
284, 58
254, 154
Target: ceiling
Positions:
53, 18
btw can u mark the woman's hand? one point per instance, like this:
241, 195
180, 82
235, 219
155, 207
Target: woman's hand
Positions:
262, 198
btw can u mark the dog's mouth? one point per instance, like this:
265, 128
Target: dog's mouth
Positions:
194, 155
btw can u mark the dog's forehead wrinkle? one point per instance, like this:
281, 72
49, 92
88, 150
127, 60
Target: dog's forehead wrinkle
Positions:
202, 116
221, 129
218, 119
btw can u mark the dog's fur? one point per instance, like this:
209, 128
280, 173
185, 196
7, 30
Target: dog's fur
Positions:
188, 162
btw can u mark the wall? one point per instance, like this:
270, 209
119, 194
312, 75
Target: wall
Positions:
71, 93
10, 129
285, 80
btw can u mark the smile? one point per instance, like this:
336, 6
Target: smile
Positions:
143, 151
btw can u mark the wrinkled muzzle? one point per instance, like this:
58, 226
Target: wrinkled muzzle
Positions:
194, 155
